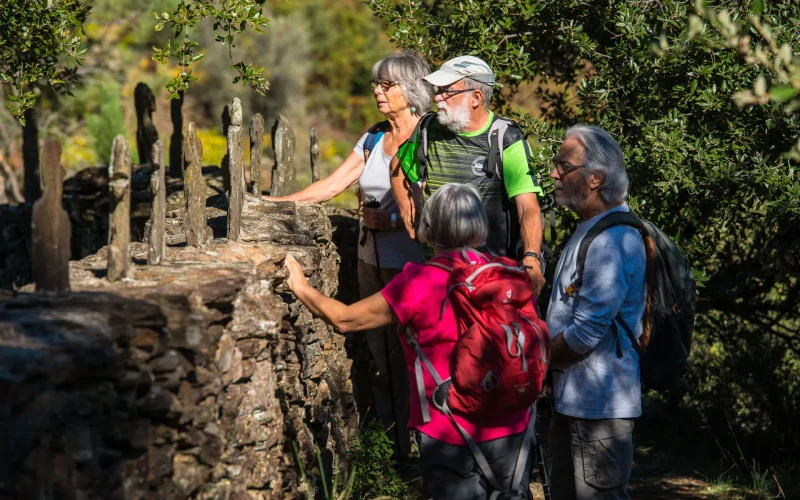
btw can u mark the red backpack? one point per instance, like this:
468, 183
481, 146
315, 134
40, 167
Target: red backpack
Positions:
500, 360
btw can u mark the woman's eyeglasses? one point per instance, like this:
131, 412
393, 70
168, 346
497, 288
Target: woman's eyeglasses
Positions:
384, 84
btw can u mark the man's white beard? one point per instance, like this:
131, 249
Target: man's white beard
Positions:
455, 119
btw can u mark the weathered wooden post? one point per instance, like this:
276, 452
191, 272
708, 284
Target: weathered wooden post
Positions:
256, 142
119, 221
30, 157
283, 173
314, 155
146, 133
236, 155
176, 154
156, 248
51, 227
194, 190
226, 160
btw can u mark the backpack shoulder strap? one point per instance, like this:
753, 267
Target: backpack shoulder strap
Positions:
374, 135
421, 133
609, 221
497, 131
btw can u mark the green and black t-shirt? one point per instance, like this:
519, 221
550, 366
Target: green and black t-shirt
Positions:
460, 157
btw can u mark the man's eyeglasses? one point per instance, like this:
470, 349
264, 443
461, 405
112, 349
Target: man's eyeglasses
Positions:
564, 168
384, 84
450, 92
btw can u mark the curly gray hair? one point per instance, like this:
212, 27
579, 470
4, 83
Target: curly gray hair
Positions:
409, 69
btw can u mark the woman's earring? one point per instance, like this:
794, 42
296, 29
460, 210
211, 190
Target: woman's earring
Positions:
413, 109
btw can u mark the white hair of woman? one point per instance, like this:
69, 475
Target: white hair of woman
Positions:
454, 217
408, 70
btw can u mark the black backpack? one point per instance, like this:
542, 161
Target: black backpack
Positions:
672, 289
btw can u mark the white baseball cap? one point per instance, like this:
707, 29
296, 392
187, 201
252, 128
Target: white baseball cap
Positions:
462, 67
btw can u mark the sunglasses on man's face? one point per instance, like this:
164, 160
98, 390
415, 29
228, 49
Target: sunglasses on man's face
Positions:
384, 84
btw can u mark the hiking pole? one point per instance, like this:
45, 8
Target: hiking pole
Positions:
373, 203
539, 450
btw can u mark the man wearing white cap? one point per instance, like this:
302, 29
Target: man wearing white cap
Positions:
467, 143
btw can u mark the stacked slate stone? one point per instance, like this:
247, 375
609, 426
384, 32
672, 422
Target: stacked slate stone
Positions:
192, 379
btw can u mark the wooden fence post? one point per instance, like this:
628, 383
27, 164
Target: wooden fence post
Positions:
283, 173
119, 221
194, 190
256, 143
226, 160
51, 227
156, 247
236, 155
146, 133
314, 155
30, 157
176, 155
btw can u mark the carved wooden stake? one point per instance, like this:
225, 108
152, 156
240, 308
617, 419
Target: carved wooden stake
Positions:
146, 133
176, 154
30, 156
314, 155
156, 248
283, 173
226, 160
194, 187
119, 222
236, 194
51, 227
256, 142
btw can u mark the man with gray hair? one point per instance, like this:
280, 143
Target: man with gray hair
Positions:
596, 379
465, 142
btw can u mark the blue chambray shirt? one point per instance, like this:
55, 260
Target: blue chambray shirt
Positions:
599, 385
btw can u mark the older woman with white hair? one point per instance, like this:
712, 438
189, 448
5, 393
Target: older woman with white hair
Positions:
402, 96
452, 219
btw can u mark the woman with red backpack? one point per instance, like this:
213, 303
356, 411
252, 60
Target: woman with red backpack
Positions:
471, 383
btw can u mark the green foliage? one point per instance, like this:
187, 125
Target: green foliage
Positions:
106, 122
714, 176
231, 18
372, 457
36, 39
345, 43
760, 46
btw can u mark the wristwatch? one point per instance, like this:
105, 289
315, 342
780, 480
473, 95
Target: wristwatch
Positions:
394, 219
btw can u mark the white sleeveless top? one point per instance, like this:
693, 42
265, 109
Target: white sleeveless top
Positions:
395, 247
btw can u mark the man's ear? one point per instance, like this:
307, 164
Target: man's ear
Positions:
596, 179
477, 99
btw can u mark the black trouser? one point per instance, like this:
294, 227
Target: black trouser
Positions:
450, 472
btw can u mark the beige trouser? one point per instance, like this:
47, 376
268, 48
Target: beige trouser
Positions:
390, 366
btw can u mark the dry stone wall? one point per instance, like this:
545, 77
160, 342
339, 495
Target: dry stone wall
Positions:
194, 379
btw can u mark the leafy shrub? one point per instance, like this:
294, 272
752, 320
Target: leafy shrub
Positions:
372, 459
106, 122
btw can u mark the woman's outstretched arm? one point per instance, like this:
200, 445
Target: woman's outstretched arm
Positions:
371, 312
324, 189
